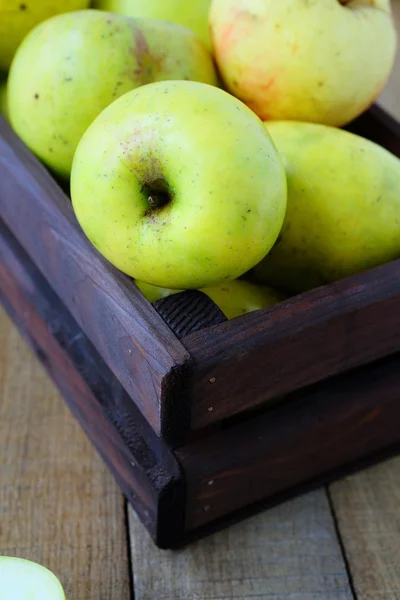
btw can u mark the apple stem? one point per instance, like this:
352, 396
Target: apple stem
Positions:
157, 194
152, 202
157, 201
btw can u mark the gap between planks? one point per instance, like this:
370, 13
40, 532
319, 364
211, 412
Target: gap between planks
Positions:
288, 553
367, 508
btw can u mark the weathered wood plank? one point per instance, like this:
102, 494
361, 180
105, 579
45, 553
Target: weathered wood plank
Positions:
367, 507
126, 330
58, 503
289, 553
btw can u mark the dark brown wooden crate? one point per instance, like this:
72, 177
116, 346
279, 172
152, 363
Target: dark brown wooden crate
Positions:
187, 385
141, 387
184, 493
207, 483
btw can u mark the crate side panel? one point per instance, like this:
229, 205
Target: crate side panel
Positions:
333, 424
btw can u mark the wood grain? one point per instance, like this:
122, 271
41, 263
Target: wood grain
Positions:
329, 426
188, 312
58, 503
368, 514
143, 466
290, 552
128, 333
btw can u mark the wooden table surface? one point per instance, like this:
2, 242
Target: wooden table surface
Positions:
60, 506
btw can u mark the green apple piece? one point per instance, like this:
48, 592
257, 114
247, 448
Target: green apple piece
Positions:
189, 13
179, 185
24, 580
3, 99
154, 292
234, 298
18, 17
237, 298
343, 212
323, 61
69, 68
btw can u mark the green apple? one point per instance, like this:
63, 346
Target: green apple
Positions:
189, 13
154, 292
24, 580
179, 185
237, 298
343, 212
18, 17
234, 298
323, 61
3, 99
69, 68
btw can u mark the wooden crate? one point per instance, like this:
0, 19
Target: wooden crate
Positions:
201, 420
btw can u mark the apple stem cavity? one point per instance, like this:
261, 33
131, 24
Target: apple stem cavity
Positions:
157, 194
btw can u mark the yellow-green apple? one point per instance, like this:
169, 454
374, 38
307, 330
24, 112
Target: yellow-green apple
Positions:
3, 99
21, 579
69, 68
179, 185
323, 61
18, 17
234, 298
343, 212
189, 13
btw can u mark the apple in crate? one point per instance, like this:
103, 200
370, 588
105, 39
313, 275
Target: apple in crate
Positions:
18, 17
189, 13
24, 580
343, 213
69, 68
178, 184
322, 60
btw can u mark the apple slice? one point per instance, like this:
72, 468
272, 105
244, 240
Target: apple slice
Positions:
24, 580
